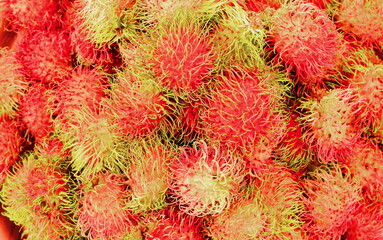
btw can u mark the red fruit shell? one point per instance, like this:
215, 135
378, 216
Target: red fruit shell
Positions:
261, 5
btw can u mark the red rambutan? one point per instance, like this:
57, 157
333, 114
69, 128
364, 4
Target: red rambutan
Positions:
44, 55
261, 5
332, 197
101, 213
12, 83
205, 180
37, 197
307, 41
332, 124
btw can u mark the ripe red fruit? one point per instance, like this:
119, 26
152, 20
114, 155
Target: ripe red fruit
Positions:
44, 55
261, 5
205, 180
101, 213
10, 144
36, 111
307, 41
182, 59
332, 197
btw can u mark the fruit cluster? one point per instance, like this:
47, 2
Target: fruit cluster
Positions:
192, 119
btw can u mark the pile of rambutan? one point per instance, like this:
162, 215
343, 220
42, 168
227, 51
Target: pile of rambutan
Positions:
191, 119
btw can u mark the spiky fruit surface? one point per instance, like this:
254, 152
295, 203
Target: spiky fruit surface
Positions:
182, 58
10, 144
242, 114
332, 124
137, 105
44, 55
367, 223
24, 14
364, 19
12, 83
147, 176
261, 5
170, 224
101, 213
36, 112
307, 41
94, 142
205, 180
37, 196
332, 197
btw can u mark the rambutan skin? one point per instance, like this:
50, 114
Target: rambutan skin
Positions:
307, 41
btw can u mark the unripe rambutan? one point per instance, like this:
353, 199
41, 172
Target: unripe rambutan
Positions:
28, 14
12, 83
137, 105
170, 224
147, 176
332, 197
10, 144
364, 19
332, 124
242, 113
37, 197
205, 180
366, 223
44, 55
94, 142
101, 214
307, 41
36, 111
182, 58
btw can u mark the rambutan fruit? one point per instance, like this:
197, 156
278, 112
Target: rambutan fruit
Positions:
363, 19
261, 5
12, 83
36, 111
147, 176
101, 213
238, 39
332, 196
37, 196
28, 14
366, 223
137, 105
205, 180
10, 144
306, 41
332, 124
242, 113
94, 142
271, 210
182, 59
170, 224
44, 55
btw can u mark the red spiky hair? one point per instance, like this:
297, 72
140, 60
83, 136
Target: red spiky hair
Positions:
332, 124
242, 114
205, 180
10, 144
170, 224
182, 58
332, 197
261, 5
44, 55
307, 41
36, 111
101, 213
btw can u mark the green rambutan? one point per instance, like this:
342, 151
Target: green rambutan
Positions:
44, 55
332, 124
36, 112
306, 41
332, 196
362, 18
205, 180
101, 214
10, 144
12, 83
37, 196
